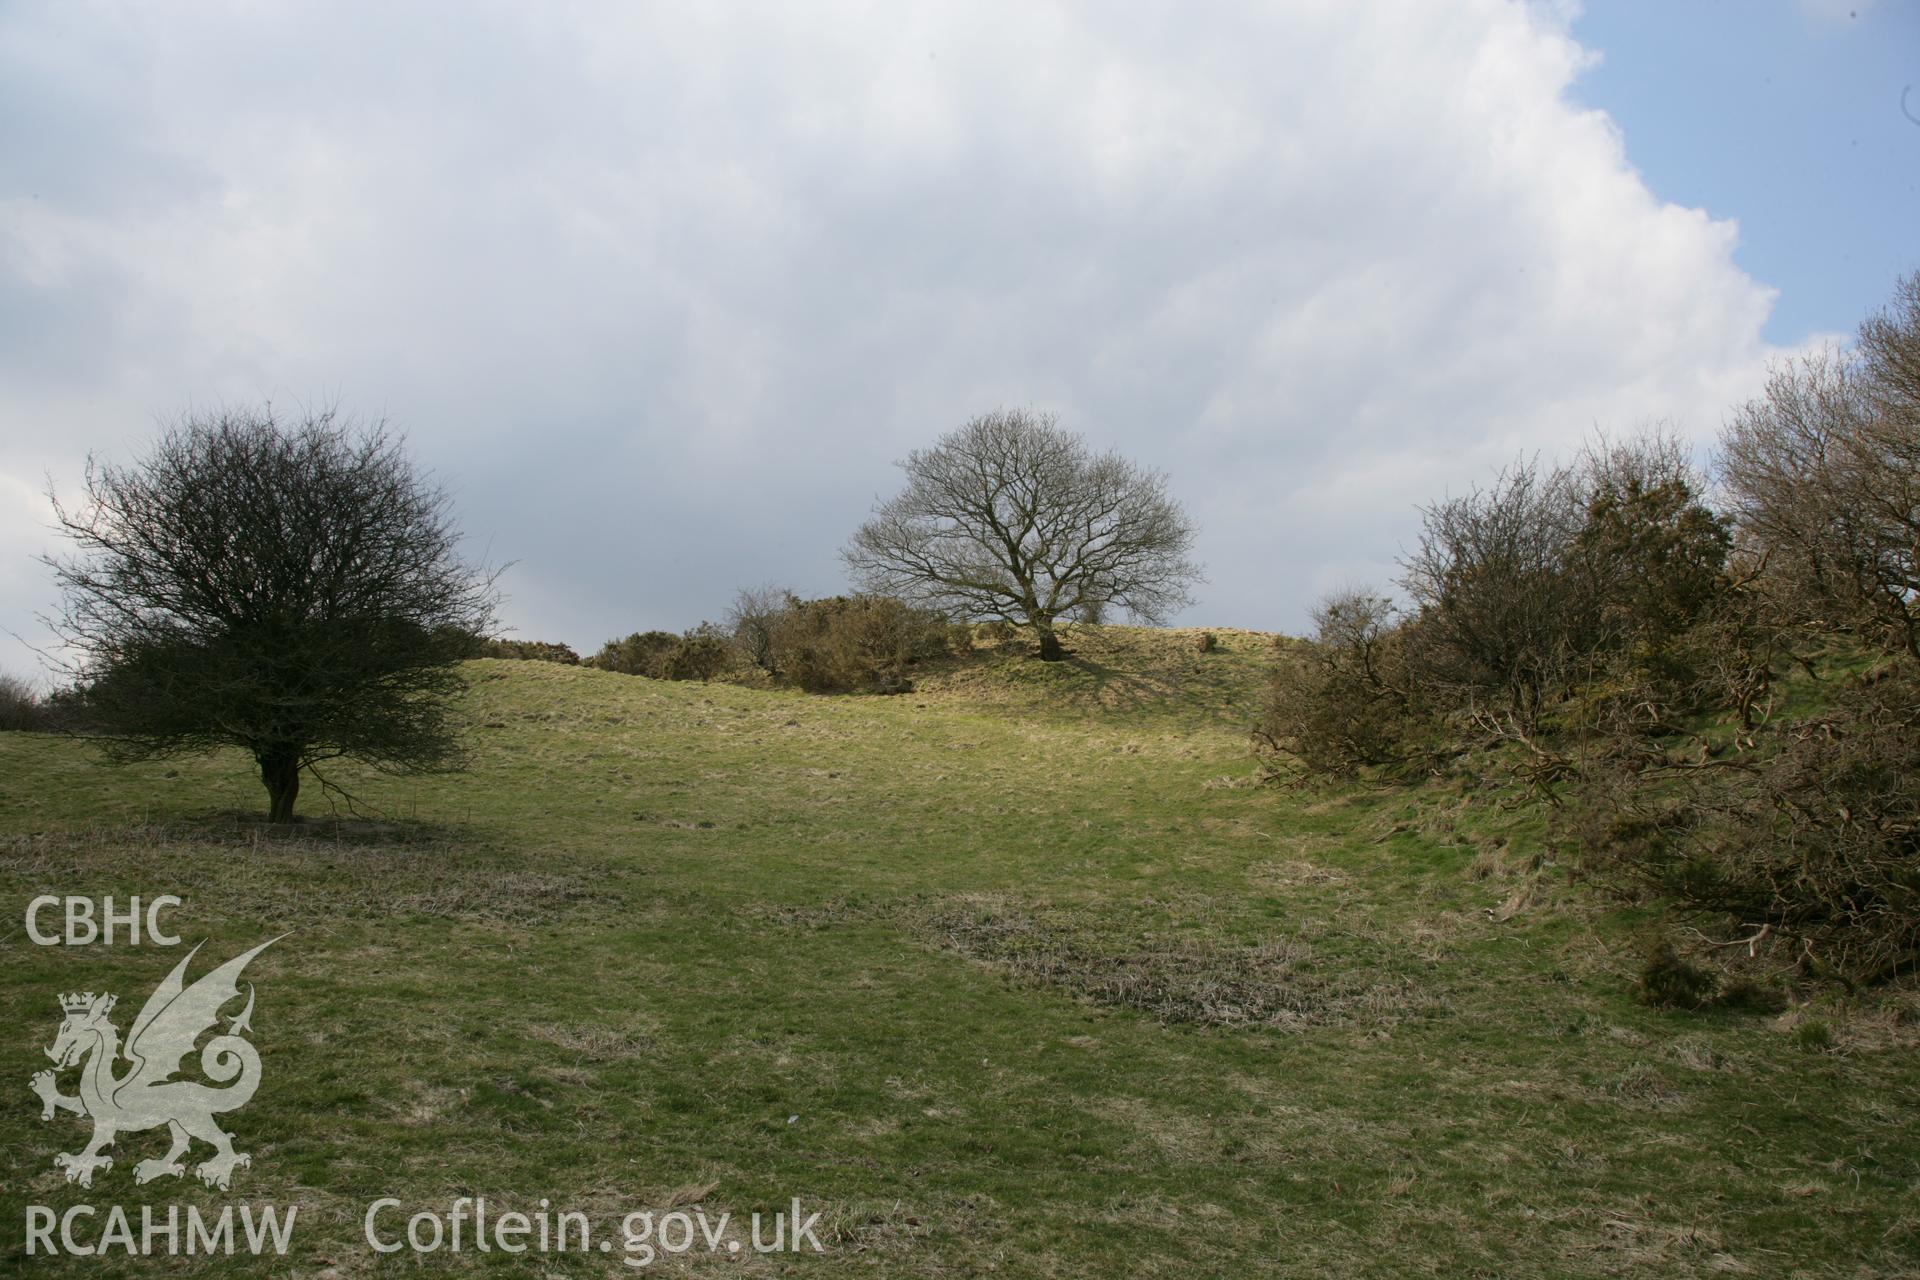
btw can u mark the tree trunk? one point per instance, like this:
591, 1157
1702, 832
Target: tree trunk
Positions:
1050, 650
280, 772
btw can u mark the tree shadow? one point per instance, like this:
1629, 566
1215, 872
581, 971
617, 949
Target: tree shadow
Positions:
1127, 690
250, 826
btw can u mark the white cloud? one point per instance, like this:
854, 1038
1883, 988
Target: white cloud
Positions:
666, 289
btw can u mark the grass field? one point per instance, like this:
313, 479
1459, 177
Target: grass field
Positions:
1021, 974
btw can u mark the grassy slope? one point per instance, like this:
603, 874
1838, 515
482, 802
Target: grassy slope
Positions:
1010, 974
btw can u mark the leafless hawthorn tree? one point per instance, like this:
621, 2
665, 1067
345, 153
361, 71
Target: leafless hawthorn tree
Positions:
1011, 517
295, 591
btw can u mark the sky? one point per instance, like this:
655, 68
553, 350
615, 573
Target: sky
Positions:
662, 292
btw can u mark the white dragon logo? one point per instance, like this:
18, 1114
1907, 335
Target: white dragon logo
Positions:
147, 1096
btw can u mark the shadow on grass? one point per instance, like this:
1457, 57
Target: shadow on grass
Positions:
227, 826
316, 876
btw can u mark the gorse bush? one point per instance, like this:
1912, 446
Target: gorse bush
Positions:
1650, 553
1551, 597
700, 654
839, 644
863, 643
1574, 598
996, 631
529, 651
1554, 580
644, 653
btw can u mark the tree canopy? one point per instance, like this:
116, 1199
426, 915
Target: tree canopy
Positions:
1011, 517
292, 590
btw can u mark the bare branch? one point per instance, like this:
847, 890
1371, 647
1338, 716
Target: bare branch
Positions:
1010, 517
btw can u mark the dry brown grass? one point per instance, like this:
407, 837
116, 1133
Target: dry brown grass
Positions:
1170, 976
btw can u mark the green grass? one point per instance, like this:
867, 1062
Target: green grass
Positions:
1019, 974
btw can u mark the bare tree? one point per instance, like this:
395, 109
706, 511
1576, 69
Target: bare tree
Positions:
1354, 631
1499, 611
1011, 517
21, 706
1823, 474
292, 591
753, 619
1890, 355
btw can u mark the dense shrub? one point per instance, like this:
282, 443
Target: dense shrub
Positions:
1650, 553
1555, 585
1555, 606
839, 644
699, 654
1799, 833
702, 654
644, 653
1811, 838
855, 643
530, 651
1342, 701
1601, 633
